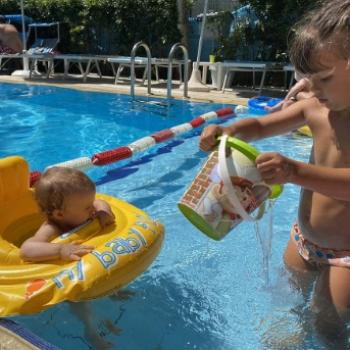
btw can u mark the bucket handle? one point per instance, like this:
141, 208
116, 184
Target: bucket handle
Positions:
232, 196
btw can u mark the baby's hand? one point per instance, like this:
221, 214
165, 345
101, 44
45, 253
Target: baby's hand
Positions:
106, 217
74, 251
275, 168
281, 105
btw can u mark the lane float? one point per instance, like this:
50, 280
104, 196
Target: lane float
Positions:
124, 152
160, 136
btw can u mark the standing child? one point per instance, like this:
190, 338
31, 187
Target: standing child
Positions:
319, 244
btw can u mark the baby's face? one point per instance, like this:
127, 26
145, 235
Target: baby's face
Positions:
78, 208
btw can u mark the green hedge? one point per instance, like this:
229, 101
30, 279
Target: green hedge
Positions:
263, 34
276, 17
106, 26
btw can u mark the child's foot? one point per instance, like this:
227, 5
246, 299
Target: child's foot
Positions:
97, 341
112, 327
284, 334
123, 294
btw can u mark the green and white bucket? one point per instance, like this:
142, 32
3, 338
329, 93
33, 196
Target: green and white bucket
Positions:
227, 190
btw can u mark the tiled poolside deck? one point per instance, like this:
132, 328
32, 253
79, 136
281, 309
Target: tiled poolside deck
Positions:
233, 96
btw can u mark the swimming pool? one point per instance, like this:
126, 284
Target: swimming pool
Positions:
199, 293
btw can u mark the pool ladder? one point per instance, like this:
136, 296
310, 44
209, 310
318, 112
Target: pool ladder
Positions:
170, 68
132, 67
149, 66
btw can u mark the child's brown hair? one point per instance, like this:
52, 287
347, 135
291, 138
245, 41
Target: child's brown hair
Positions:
56, 184
327, 27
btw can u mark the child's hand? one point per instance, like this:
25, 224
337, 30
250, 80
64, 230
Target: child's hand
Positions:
208, 140
275, 168
105, 217
74, 251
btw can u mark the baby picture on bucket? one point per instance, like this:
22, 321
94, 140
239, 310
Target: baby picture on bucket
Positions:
216, 207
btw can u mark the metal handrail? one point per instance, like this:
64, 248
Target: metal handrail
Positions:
170, 68
132, 67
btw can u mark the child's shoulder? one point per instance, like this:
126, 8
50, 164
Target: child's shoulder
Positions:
313, 108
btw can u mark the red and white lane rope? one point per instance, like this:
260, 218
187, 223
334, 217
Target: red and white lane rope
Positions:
124, 152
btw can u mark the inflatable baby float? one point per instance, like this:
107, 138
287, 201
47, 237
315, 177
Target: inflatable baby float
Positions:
123, 250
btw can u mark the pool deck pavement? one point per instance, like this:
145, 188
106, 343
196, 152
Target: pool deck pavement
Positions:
230, 96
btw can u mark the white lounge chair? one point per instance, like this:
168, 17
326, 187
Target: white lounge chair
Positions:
39, 50
85, 63
225, 71
141, 62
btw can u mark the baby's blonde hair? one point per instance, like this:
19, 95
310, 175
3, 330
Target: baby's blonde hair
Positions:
325, 28
56, 184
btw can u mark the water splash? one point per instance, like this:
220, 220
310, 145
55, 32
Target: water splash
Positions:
264, 239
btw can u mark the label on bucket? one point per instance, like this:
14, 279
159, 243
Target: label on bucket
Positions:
206, 203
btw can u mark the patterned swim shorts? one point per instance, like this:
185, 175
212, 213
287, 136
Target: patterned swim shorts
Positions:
316, 255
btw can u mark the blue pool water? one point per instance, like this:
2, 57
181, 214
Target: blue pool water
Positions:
198, 294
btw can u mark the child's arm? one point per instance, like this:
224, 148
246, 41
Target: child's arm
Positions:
104, 212
332, 182
248, 129
38, 248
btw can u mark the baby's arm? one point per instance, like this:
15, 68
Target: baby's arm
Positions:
300, 91
104, 212
38, 248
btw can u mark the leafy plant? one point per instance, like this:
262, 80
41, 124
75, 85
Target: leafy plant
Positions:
273, 26
219, 26
106, 26
260, 34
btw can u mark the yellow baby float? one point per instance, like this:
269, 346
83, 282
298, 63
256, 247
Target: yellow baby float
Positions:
305, 130
123, 251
